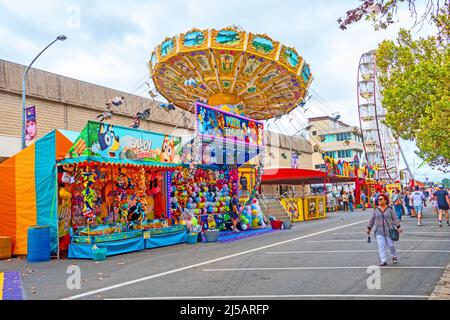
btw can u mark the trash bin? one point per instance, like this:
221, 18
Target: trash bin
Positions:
212, 235
38, 244
192, 238
287, 225
99, 254
276, 224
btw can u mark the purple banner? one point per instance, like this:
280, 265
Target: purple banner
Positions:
30, 126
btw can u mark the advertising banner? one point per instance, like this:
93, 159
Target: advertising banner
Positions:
218, 123
294, 160
30, 125
111, 141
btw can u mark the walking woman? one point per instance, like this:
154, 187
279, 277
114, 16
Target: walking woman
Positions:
383, 218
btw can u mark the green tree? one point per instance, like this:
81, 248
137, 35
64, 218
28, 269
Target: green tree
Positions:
383, 13
415, 79
446, 183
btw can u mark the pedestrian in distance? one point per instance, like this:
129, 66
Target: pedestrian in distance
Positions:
434, 203
345, 200
418, 201
235, 209
382, 220
411, 204
375, 199
398, 203
443, 203
407, 200
350, 200
363, 200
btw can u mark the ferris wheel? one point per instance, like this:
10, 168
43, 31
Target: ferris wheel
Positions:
381, 148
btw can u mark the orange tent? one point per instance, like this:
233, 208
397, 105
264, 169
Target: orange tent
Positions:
29, 189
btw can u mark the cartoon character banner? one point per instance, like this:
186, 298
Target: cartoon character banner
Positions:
111, 141
218, 123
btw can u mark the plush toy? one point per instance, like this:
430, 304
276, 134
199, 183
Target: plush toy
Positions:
89, 196
211, 222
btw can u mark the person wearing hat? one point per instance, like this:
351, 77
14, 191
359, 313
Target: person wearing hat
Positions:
443, 203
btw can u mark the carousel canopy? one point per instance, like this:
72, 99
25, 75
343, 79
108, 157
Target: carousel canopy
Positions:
247, 73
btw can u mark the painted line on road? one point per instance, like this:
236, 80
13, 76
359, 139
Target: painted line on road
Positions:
353, 251
319, 268
89, 293
365, 240
364, 231
391, 296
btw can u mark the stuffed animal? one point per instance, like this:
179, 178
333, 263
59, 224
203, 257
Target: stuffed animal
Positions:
211, 222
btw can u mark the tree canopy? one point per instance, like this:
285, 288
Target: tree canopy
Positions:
383, 13
415, 84
446, 183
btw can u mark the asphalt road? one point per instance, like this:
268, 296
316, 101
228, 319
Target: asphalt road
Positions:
324, 259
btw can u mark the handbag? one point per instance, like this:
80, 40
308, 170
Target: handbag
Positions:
393, 232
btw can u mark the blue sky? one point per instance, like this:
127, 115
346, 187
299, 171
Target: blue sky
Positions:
109, 42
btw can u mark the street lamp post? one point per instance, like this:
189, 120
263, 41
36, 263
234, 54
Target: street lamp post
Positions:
24, 87
308, 127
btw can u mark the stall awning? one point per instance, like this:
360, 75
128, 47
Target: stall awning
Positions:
289, 176
118, 161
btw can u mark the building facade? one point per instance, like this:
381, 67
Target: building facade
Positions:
335, 139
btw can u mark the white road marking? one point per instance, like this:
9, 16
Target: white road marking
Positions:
354, 251
391, 296
365, 240
406, 233
119, 285
318, 268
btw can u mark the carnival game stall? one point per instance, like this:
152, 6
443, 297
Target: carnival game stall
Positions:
114, 191
202, 192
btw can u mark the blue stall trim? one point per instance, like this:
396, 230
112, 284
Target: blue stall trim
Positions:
156, 241
84, 251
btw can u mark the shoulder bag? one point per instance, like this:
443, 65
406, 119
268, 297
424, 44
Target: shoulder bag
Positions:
393, 232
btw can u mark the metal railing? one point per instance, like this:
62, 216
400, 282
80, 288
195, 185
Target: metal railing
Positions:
263, 200
286, 197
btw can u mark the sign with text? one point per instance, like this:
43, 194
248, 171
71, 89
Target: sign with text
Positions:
112, 141
218, 123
